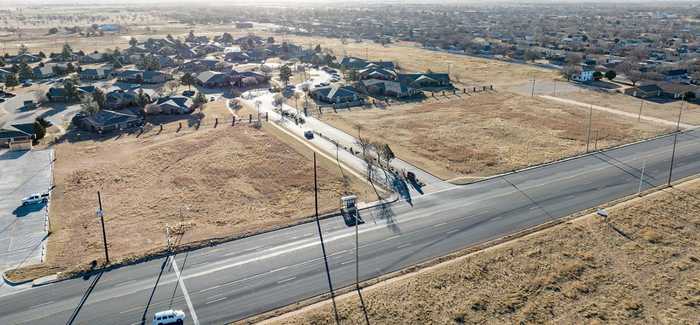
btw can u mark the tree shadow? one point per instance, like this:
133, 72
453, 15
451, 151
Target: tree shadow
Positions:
11, 155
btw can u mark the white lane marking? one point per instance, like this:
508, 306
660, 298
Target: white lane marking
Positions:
131, 309
347, 262
215, 300
121, 284
286, 280
184, 292
452, 231
403, 245
242, 251
279, 269
44, 304
439, 224
209, 289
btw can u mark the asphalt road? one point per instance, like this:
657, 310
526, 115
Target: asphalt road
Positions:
249, 276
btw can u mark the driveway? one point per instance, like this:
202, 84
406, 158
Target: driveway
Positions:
23, 229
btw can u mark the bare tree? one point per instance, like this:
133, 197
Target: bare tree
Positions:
634, 76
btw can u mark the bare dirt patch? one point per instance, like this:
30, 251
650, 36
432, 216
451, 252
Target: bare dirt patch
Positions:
487, 133
214, 183
578, 272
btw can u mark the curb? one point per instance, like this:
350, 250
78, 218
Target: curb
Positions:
8, 281
46, 280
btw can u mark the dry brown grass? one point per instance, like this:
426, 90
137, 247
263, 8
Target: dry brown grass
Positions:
580, 272
487, 133
218, 182
667, 111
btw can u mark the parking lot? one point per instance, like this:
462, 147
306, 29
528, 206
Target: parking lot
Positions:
22, 228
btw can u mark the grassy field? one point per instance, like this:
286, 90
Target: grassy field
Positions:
487, 133
213, 183
579, 272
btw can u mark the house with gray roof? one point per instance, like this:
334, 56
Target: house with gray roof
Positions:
426, 81
389, 88
95, 73
107, 121
213, 79
336, 94
42, 72
171, 105
20, 132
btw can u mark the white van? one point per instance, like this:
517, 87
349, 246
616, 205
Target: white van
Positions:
169, 317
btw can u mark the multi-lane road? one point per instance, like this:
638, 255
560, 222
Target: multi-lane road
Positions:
249, 276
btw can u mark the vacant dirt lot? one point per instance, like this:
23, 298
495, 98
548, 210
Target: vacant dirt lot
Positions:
464, 69
211, 182
487, 133
580, 272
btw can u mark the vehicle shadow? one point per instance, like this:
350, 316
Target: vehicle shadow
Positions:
24, 210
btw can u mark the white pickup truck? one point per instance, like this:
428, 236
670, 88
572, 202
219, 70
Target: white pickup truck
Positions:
36, 198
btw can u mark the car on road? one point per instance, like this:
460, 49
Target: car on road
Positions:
36, 198
2, 100
169, 317
324, 84
309, 135
26, 84
188, 93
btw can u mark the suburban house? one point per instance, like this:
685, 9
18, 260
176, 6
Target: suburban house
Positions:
236, 55
213, 79
375, 72
390, 88
42, 72
4, 74
107, 120
336, 94
26, 58
95, 73
95, 57
21, 133
675, 74
645, 91
677, 90
121, 98
59, 94
155, 77
353, 63
425, 81
583, 75
171, 105
248, 79
140, 76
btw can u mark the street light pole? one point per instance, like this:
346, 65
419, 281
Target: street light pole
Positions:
100, 214
323, 247
675, 140
588, 134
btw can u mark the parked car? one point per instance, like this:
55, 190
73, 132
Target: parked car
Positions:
169, 317
36, 198
188, 93
2, 100
309, 135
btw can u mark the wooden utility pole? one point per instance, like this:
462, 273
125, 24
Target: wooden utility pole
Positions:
675, 140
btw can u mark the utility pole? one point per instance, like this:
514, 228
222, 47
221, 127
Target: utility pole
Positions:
675, 140
641, 105
101, 215
555, 87
532, 92
323, 247
588, 134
